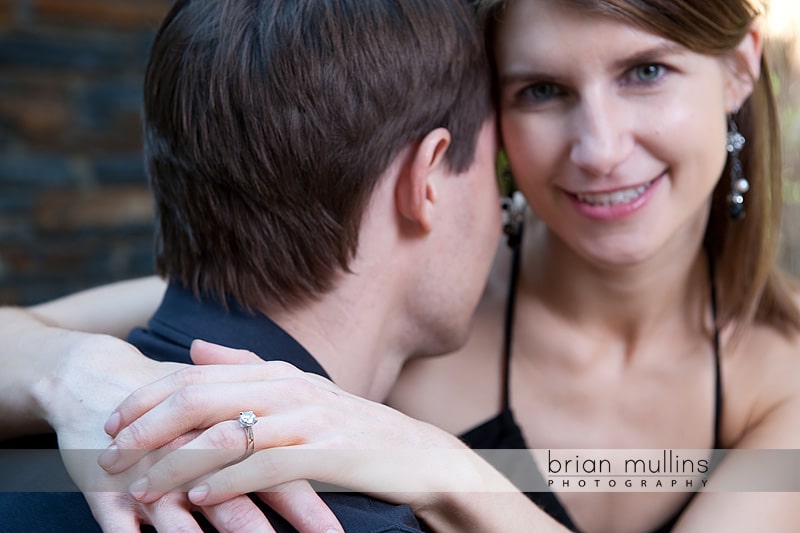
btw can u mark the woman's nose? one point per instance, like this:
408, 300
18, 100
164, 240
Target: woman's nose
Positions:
603, 136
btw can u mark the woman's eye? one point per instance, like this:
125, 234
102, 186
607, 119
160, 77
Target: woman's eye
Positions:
647, 73
539, 92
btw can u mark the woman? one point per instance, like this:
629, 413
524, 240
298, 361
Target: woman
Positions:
641, 309
618, 338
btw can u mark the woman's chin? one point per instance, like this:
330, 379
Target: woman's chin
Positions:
619, 255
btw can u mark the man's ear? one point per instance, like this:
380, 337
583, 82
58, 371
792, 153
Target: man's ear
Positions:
415, 192
745, 66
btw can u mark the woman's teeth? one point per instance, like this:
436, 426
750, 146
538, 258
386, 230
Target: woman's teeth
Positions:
614, 198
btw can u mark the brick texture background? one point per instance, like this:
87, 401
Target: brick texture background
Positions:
75, 210
74, 206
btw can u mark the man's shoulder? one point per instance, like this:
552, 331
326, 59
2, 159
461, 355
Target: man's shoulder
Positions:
183, 316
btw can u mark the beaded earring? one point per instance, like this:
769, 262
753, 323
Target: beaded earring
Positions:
512, 203
739, 184
513, 217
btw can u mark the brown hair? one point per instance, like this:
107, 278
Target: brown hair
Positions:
268, 123
748, 279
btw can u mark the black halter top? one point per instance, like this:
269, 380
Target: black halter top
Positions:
503, 432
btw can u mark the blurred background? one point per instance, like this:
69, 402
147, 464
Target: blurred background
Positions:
75, 210
74, 205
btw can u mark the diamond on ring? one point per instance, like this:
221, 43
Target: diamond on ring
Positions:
247, 419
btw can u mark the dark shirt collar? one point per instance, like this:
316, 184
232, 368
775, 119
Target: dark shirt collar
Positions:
181, 318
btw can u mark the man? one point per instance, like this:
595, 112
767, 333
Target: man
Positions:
323, 175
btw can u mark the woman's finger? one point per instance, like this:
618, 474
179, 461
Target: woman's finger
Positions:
226, 444
145, 398
207, 353
381, 472
202, 406
255, 474
223, 444
271, 467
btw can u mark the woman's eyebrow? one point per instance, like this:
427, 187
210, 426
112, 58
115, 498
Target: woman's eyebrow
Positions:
520, 75
650, 54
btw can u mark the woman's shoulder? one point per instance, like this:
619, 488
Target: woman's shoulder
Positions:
761, 372
776, 346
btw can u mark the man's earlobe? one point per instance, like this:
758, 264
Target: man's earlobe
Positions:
416, 194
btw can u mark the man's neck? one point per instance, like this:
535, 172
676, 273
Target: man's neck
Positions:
362, 331
354, 333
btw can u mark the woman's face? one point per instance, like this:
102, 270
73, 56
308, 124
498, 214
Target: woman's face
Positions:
616, 136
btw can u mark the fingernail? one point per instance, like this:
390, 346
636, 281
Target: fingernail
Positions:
198, 494
112, 424
108, 457
139, 488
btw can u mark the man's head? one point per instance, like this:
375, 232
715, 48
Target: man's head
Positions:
268, 124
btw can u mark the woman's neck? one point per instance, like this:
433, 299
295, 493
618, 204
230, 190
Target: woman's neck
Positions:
627, 303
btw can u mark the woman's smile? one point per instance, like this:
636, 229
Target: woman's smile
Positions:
615, 204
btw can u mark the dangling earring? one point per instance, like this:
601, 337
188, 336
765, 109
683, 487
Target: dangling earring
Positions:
513, 206
739, 184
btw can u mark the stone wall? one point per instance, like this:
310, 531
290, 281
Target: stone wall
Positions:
74, 206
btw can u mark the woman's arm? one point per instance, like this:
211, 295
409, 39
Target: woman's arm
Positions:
113, 309
730, 505
766, 371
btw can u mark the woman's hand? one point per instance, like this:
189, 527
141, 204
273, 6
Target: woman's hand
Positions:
307, 428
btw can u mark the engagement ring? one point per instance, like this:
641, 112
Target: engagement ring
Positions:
248, 419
